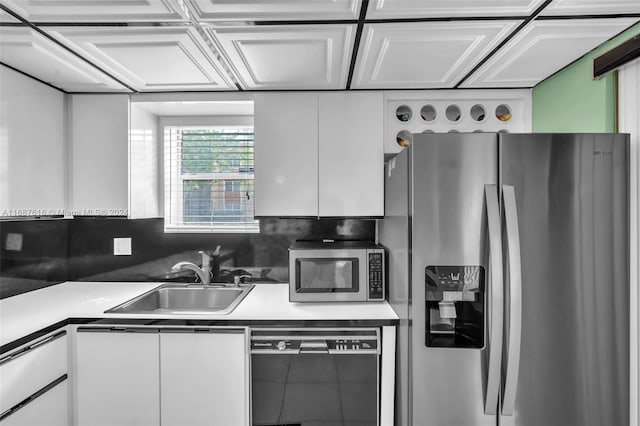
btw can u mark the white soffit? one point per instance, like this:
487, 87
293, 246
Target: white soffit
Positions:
198, 108
279, 10
29, 51
542, 48
288, 57
591, 7
98, 10
424, 54
150, 58
392, 9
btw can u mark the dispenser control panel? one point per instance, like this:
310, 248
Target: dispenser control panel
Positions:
454, 278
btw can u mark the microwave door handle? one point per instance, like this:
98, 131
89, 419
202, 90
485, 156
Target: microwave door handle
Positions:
513, 339
495, 300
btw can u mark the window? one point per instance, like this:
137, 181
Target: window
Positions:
209, 179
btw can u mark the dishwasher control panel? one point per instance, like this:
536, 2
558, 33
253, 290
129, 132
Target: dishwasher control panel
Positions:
318, 342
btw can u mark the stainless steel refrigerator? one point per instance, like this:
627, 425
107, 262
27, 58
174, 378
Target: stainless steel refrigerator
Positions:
508, 265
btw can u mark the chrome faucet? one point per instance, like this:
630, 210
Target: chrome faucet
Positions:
203, 273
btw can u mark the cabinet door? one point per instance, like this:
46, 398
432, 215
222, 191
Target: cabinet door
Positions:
204, 378
33, 149
117, 379
50, 409
99, 155
286, 154
351, 175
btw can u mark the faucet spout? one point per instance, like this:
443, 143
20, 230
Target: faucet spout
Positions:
203, 273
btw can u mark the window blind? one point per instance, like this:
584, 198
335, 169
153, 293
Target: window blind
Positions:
209, 179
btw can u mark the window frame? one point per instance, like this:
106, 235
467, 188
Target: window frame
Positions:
174, 178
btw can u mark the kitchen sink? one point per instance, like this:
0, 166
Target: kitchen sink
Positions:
186, 299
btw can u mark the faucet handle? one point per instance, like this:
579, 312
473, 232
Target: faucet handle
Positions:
206, 259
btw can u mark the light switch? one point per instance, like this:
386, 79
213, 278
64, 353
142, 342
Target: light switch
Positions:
122, 246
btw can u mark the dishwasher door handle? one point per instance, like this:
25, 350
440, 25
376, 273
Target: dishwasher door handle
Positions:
314, 347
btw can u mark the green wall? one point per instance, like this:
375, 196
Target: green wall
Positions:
572, 101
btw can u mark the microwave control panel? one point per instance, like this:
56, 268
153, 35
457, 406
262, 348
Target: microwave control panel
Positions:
376, 276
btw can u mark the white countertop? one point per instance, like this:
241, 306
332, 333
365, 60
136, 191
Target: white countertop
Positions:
29, 312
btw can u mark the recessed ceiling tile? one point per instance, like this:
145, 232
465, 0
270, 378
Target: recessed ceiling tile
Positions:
423, 55
34, 54
98, 10
591, 7
6, 17
288, 57
149, 58
542, 48
392, 9
279, 10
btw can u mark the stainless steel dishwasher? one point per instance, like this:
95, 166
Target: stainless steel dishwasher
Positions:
304, 377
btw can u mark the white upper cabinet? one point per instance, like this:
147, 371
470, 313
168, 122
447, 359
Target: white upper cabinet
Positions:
98, 11
286, 154
149, 58
351, 178
212, 10
319, 154
25, 49
543, 47
415, 55
287, 57
32, 141
99, 155
591, 7
385, 9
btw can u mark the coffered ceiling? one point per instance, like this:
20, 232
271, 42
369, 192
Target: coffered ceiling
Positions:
225, 45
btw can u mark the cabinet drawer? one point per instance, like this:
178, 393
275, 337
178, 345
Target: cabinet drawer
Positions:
50, 409
26, 371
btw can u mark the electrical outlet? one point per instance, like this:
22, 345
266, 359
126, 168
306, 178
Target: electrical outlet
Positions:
13, 242
122, 246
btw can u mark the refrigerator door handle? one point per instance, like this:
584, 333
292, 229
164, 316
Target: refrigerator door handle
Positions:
514, 310
495, 299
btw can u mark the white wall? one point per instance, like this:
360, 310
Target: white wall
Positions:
32, 146
629, 111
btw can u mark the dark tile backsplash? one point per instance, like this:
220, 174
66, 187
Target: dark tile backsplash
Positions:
33, 255
81, 249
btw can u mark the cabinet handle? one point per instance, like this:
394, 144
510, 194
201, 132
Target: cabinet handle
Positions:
32, 346
117, 330
32, 397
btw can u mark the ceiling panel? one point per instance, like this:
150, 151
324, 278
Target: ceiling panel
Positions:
98, 10
279, 10
424, 54
386, 9
7, 17
288, 57
150, 58
542, 48
591, 7
30, 52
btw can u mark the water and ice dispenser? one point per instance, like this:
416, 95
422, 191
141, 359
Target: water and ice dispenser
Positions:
455, 306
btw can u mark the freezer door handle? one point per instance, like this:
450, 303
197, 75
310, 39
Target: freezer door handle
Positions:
495, 300
514, 300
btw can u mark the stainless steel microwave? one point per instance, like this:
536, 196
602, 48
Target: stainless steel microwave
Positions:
340, 271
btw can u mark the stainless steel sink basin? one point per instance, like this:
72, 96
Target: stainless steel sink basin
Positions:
185, 299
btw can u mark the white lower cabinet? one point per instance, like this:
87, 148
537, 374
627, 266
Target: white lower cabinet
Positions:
166, 377
49, 409
117, 378
34, 383
204, 378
